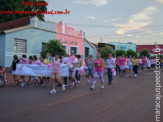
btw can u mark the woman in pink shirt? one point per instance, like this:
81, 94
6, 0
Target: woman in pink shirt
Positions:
36, 60
24, 60
122, 65
56, 73
117, 65
144, 63
30, 60
98, 71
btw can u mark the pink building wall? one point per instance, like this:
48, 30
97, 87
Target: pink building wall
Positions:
70, 37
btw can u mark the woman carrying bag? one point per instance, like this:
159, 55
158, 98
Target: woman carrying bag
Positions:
110, 62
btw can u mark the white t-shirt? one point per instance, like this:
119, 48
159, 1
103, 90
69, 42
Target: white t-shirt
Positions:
129, 62
148, 63
110, 63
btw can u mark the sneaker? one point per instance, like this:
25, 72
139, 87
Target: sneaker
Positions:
52, 91
31, 86
78, 82
102, 87
63, 88
135, 75
22, 85
92, 87
73, 84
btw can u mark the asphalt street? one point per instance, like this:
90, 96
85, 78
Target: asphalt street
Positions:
126, 100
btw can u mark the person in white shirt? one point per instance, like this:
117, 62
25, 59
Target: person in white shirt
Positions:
148, 64
110, 62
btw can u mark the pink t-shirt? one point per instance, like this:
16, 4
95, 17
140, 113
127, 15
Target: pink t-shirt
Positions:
56, 66
24, 61
30, 62
122, 61
36, 62
144, 61
98, 68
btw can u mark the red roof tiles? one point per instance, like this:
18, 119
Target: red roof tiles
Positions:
15, 23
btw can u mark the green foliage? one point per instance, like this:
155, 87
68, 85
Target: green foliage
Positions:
12, 5
161, 56
144, 52
131, 52
105, 51
54, 46
120, 52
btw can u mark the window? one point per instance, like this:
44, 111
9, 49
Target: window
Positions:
43, 46
20, 46
73, 50
86, 51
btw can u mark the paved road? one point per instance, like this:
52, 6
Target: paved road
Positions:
126, 100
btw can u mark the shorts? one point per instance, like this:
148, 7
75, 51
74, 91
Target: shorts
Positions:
90, 72
142, 65
130, 67
55, 76
72, 72
123, 67
96, 74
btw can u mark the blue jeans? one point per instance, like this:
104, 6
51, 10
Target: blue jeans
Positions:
90, 72
65, 80
77, 75
109, 75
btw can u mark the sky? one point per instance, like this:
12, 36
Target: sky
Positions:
112, 18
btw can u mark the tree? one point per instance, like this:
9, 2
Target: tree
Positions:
54, 46
12, 5
144, 52
131, 52
120, 52
161, 56
105, 51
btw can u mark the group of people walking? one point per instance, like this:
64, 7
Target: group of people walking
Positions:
94, 69
74, 72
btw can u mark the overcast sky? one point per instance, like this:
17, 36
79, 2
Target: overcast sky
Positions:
112, 17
